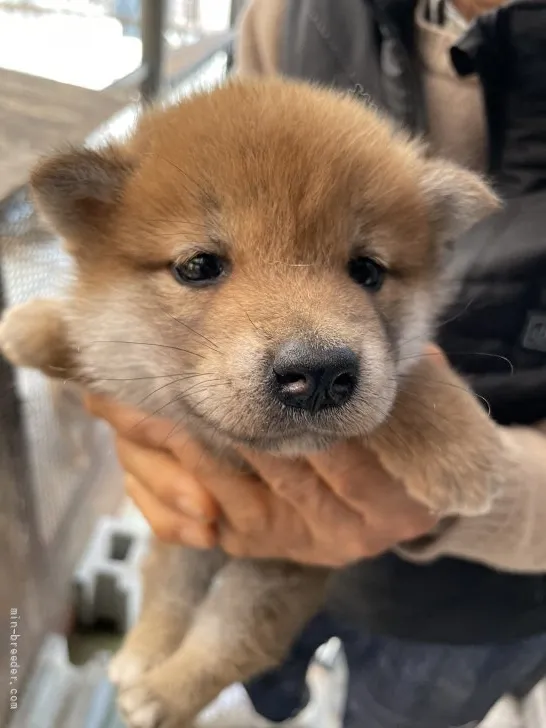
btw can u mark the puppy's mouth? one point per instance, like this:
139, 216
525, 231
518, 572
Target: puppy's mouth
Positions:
290, 437
294, 441
290, 443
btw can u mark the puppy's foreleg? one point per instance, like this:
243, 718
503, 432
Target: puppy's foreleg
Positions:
34, 335
440, 442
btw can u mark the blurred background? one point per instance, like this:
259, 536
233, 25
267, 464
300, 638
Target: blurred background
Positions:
72, 71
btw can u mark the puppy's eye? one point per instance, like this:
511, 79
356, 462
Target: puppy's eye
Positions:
201, 270
367, 272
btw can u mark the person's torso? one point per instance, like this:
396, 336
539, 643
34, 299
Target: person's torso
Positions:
495, 332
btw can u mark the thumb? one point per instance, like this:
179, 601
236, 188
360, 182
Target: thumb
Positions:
436, 355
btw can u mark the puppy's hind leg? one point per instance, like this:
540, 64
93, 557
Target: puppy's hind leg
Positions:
245, 627
176, 581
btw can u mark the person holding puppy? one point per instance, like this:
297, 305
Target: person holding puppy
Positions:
439, 618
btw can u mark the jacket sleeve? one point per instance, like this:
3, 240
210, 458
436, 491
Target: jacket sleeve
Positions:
260, 28
512, 536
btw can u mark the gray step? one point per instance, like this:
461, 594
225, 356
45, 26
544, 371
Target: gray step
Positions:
107, 583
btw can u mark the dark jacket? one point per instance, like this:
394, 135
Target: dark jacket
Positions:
368, 45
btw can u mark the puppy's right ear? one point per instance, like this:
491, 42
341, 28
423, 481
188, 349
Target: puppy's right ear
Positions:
457, 198
78, 191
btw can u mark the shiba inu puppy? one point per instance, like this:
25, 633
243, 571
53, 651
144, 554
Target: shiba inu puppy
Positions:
262, 262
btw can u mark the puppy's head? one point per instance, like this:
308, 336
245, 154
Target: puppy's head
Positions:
261, 260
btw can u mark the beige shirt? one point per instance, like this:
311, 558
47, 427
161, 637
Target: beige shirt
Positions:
455, 105
512, 536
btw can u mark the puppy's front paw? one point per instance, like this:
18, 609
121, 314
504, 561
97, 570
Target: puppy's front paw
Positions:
16, 342
456, 492
31, 334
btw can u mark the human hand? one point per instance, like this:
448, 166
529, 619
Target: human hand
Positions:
333, 508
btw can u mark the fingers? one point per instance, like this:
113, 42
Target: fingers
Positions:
293, 480
436, 354
166, 524
134, 424
334, 508
167, 480
310, 523
356, 475
352, 471
193, 482
313, 510
156, 433
243, 502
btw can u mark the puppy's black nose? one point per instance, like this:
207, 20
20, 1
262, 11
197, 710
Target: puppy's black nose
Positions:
314, 378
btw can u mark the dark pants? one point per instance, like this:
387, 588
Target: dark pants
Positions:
396, 684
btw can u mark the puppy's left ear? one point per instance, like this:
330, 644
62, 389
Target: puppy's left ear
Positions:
457, 198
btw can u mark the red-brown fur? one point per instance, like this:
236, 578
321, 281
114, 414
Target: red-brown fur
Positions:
288, 183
